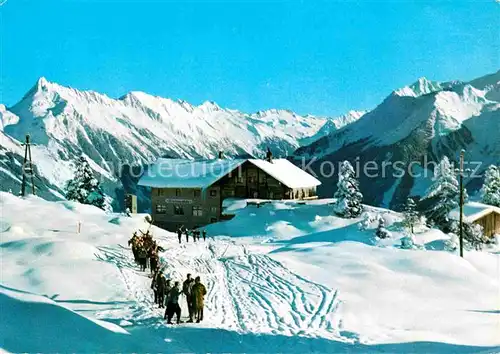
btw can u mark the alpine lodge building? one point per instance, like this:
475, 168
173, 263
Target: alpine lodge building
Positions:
190, 193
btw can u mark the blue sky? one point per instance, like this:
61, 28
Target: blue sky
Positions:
312, 57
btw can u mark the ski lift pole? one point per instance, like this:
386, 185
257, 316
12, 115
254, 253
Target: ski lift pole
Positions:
461, 177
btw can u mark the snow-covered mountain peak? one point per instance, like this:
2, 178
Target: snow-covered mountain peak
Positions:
209, 106
6, 117
420, 87
42, 82
274, 111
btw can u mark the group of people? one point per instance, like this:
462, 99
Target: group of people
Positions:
145, 250
166, 294
195, 234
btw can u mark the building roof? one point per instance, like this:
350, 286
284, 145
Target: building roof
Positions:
183, 173
473, 211
287, 173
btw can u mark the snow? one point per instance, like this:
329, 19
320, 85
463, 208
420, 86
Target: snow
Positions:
287, 173
473, 211
182, 173
296, 279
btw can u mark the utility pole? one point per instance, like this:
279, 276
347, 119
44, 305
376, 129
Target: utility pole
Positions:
27, 168
461, 177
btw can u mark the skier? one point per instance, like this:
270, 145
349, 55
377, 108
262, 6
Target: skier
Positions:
154, 260
186, 232
142, 254
179, 234
133, 241
173, 304
161, 284
204, 233
168, 287
154, 284
186, 289
198, 293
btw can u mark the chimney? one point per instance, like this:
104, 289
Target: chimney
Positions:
221, 154
269, 155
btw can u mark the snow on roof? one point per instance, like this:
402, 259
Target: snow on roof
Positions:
287, 173
183, 173
473, 211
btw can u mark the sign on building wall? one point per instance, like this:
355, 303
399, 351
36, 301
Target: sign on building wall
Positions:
179, 201
131, 203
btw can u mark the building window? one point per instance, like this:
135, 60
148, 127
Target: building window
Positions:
177, 192
197, 193
213, 210
161, 208
213, 193
255, 194
252, 179
197, 211
271, 195
239, 180
228, 192
178, 210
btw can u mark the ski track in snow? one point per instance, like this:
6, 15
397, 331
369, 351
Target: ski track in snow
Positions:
245, 292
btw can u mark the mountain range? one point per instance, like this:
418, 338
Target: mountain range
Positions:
427, 118
136, 129
415, 126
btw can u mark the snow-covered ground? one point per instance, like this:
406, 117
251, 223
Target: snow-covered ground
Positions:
282, 277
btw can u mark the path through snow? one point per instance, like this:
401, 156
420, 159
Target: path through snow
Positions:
249, 293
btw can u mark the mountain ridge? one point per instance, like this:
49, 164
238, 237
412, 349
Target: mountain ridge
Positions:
137, 128
427, 120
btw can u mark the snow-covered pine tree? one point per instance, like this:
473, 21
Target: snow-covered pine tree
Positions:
473, 234
348, 196
444, 193
381, 231
410, 213
84, 187
491, 187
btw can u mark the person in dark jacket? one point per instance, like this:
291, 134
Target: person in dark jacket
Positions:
133, 242
186, 232
161, 286
143, 256
168, 287
186, 289
154, 285
204, 233
154, 260
179, 234
173, 304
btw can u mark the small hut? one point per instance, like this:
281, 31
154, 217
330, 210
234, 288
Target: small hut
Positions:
487, 216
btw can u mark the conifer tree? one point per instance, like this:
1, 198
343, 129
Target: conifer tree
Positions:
348, 196
410, 213
84, 187
491, 187
381, 231
444, 193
